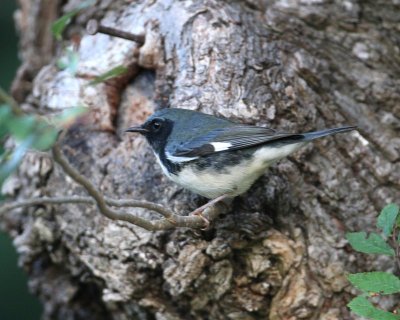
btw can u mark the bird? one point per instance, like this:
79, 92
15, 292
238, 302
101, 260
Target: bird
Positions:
216, 157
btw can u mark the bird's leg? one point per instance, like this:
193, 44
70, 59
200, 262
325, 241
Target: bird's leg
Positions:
199, 211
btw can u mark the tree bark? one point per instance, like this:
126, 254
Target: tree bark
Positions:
280, 253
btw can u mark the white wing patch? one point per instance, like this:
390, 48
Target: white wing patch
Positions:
221, 146
176, 159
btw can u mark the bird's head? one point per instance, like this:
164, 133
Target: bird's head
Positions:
175, 127
156, 130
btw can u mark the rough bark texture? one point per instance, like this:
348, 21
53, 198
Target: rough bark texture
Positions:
281, 251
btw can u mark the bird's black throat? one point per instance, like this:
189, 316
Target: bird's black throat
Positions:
158, 142
172, 167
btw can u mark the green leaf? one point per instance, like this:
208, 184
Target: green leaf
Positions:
387, 218
45, 138
376, 282
5, 116
373, 244
362, 307
114, 72
5, 113
3, 132
58, 26
398, 220
68, 116
21, 127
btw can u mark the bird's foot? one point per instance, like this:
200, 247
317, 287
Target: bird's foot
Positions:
172, 221
199, 211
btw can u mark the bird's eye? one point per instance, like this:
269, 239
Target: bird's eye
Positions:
156, 125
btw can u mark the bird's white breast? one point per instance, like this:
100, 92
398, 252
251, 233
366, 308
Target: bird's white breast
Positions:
272, 154
232, 180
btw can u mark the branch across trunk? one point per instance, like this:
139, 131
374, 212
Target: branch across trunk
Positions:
280, 253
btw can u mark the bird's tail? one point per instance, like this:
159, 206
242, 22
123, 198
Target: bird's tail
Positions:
318, 134
289, 143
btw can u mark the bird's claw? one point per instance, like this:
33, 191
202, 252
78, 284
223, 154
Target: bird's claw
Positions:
199, 213
172, 221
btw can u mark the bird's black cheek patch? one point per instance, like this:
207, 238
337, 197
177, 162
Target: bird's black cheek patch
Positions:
222, 162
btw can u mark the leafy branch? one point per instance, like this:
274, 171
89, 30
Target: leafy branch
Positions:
377, 283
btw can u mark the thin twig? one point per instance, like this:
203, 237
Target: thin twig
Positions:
83, 200
91, 189
170, 221
7, 99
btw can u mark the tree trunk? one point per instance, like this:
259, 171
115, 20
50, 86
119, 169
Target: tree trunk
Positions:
281, 252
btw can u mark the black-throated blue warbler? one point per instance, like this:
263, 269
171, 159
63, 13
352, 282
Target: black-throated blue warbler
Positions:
215, 157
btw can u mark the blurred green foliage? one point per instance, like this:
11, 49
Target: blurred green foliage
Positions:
61, 23
28, 132
31, 131
19, 133
114, 72
15, 300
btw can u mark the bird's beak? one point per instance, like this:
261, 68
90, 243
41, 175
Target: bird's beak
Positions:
137, 129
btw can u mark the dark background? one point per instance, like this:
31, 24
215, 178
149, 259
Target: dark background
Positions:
15, 300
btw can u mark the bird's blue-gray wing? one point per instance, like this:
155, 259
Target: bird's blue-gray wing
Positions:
230, 138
